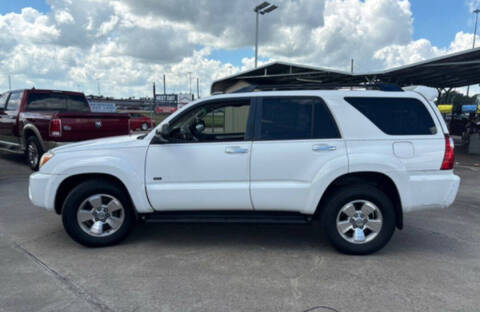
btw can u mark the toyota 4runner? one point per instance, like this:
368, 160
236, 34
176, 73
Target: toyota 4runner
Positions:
355, 160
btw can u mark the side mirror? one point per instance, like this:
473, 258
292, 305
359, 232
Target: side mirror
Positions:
164, 132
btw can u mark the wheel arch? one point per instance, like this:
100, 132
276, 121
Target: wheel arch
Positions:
70, 182
28, 131
379, 180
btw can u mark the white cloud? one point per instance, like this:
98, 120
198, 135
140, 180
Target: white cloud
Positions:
127, 44
415, 51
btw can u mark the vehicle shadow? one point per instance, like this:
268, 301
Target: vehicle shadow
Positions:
18, 158
405, 243
13, 165
259, 235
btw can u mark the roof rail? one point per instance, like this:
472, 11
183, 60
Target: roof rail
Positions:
319, 86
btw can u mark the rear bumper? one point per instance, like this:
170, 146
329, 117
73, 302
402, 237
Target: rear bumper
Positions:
429, 191
42, 189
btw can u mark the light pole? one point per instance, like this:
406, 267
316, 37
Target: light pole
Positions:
190, 82
263, 8
98, 86
474, 37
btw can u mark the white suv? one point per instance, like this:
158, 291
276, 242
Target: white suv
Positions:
356, 160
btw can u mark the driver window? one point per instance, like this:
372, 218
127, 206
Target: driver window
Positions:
215, 122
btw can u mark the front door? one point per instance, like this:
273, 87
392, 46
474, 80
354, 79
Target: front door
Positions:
205, 163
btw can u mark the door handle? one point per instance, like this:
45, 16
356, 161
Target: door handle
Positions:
323, 148
235, 150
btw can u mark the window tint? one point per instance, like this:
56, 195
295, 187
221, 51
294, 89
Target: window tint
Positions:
14, 101
46, 102
295, 118
77, 103
219, 121
396, 116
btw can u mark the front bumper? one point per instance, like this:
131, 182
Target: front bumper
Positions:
42, 189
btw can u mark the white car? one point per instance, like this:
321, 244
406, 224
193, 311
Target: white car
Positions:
356, 160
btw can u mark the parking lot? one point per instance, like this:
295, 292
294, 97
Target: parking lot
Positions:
431, 265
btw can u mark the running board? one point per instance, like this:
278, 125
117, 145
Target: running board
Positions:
226, 217
11, 150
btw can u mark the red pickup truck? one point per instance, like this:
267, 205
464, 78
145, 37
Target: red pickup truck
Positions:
32, 121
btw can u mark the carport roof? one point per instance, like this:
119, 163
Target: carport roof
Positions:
450, 71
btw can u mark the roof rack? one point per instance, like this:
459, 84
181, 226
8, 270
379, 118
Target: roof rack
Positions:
319, 86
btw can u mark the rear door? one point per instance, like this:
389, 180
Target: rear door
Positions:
3, 118
8, 120
296, 138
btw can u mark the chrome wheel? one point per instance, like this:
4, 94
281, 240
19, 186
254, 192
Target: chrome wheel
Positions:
100, 215
144, 127
33, 155
359, 221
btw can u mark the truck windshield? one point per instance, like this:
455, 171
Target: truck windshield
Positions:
57, 102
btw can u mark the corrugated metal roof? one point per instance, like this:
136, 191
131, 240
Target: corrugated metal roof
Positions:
450, 71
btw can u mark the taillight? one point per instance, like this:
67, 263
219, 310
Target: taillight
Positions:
449, 156
55, 129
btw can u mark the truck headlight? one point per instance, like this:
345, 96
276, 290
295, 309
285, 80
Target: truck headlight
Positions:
45, 157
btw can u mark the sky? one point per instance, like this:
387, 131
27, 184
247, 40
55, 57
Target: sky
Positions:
122, 46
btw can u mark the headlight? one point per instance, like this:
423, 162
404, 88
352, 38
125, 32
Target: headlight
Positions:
45, 157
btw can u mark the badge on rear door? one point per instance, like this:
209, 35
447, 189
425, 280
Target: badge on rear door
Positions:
98, 124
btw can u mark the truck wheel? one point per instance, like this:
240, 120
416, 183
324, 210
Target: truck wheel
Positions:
33, 152
358, 219
97, 213
144, 126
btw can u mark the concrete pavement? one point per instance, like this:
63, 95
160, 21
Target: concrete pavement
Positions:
431, 265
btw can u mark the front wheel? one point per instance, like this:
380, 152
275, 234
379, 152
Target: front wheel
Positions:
358, 219
97, 213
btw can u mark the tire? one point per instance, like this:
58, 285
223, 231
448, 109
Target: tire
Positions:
97, 231
144, 126
373, 215
33, 152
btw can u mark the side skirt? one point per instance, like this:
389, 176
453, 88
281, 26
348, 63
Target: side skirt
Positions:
265, 217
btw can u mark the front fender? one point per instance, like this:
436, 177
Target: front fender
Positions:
128, 167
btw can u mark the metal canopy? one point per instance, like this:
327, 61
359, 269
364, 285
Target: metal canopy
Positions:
450, 71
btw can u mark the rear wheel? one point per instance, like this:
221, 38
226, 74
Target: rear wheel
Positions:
144, 126
358, 219
33, 152
97, 213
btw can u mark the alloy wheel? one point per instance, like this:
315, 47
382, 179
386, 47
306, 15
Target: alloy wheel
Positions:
100, 215
359, 221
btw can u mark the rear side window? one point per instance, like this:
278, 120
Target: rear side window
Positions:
294, 118
396, 116
14, 101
